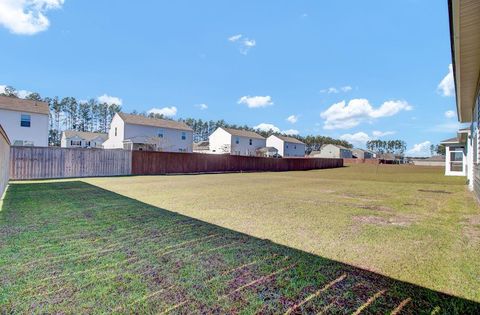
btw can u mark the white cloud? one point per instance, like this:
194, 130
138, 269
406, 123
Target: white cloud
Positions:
334, 90
272, 127
165, 111
109, 99
292, 119
256, 101
420, 149
450, 114
446, 87
379, 134
234, 38
27, 17
202, 106
244, 43
359, 138
343, 116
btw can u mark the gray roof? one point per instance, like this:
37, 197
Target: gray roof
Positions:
335, 145
154, 122
288, 139
85, 135
450, 140
22, 105
267, 149
243, 133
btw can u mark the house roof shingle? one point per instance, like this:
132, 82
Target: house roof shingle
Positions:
154, 122
450, 140
85, 135
289, 139
22, 105
243, 133
335, 145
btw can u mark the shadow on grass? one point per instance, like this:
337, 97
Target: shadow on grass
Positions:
73, 247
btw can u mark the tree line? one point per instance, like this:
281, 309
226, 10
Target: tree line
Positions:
390, 146
68, 113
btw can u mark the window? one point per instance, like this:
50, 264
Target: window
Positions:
184, 135
25, 120
456, 159
287, 146
87, 143
160, 133
295, 147
250, 141
237, 140
75, 143
115, 131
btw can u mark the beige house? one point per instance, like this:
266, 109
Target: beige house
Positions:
136, 132
465, 46
82, 139
332, 151
236, 142
24, 121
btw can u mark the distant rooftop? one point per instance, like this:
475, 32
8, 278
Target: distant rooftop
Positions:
153, 122
242, 133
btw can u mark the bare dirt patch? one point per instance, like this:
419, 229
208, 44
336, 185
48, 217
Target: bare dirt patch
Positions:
471, 228
433, 191
383, 221
376, 208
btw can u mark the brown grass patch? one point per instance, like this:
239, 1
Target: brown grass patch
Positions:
383, 221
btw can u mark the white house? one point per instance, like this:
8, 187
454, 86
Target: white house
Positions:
236, 142
24, 121
82, 139
465, 48
332, 151
135, 132
362, 154
287, 146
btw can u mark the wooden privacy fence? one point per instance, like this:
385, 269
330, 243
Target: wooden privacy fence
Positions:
361, 161
4, 160
52, 162
151, 163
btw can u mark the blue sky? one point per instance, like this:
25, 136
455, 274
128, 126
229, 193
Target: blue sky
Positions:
352, 69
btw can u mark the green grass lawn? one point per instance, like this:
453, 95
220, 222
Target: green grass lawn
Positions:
363, 238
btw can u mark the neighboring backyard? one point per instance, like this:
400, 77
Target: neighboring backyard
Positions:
293, 242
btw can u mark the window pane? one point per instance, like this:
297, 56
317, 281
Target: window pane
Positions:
25, 120
456, 156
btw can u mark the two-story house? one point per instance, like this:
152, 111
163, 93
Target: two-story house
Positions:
332, 151
82, 139
236, 142
24, 121
136, 132
287, 146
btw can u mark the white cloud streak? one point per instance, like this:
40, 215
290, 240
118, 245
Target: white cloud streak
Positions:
165, 111
292, 119
272, 127
243, 43
420, 149
446, 87
345, 116
109, 99
27, 17
334, 90
256, 101
202, 106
